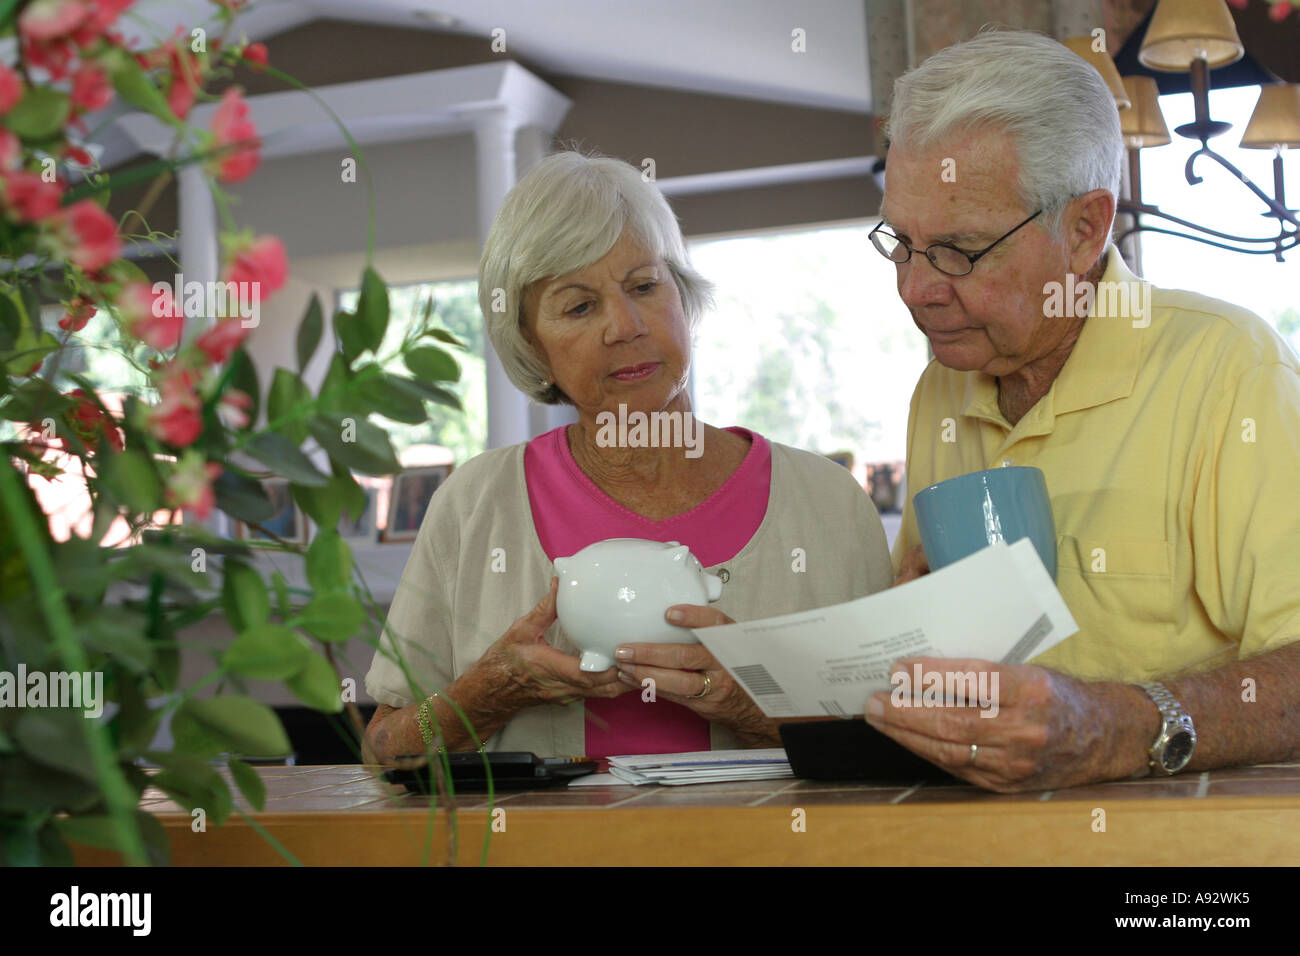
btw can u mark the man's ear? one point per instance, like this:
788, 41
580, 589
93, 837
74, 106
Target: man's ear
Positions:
1087, 227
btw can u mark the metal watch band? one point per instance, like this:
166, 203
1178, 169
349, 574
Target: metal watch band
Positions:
1176, 720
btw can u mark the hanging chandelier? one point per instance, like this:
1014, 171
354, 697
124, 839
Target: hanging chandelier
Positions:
1194, 37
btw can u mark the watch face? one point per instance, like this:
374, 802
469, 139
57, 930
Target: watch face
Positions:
1178, 751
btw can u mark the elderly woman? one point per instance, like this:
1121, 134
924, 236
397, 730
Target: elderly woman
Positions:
590, 300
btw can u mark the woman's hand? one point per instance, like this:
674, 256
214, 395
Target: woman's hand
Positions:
679, 672
525, 670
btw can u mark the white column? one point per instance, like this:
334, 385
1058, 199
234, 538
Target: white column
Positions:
494, 139
198, 232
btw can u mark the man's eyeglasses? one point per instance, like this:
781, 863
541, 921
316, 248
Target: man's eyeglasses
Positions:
947, 259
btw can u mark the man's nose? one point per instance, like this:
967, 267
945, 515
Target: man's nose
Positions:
921, 284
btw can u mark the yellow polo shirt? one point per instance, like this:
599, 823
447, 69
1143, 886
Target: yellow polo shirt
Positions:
1172, 456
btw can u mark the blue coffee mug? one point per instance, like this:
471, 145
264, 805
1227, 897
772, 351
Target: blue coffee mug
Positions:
965, 514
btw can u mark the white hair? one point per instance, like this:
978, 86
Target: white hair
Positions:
565, 214
1058, 111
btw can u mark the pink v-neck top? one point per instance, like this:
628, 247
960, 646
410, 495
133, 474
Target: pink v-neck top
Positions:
571, 512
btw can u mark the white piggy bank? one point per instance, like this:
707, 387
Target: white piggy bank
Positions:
616, 592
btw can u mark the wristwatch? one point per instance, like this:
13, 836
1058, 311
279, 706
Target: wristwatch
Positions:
1173, 746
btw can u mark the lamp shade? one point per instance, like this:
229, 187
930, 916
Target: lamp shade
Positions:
1143, 124
1276, 120
1183, 30
1103, 64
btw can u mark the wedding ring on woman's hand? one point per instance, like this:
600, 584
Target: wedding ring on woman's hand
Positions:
708, 686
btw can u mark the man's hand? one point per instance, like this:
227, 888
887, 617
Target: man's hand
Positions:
913, 565
1049, 731
678, 671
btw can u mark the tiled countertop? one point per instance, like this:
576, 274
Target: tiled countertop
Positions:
346, 815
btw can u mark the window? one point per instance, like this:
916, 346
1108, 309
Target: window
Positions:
456, 309
810, 346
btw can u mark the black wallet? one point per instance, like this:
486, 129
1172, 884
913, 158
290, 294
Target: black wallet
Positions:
852, 749
510, 771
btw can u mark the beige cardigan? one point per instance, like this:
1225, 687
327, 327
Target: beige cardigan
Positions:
477, 566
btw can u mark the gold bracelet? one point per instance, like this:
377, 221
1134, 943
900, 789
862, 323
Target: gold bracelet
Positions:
426, 731
422, 719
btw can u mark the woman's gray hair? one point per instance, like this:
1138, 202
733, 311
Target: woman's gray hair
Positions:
565, 214
1054, 105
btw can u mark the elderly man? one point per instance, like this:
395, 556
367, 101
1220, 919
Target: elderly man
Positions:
1167, 424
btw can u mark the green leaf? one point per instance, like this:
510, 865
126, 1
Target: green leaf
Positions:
285, 458
332, 617
372, 309
243, 595
351, 336
29, 349
282, 603
100, 830
442, 335
384, 396
317, 685
434, 393
287, 394
243, 376
326, 505
194, 784
11, 322
241, 497
432, 364
56, 737
337, 395
265, 652
356, 443
134, 86
309, 332
239, 724
249, 782
34, 400
40, 114
329, 561
133, 479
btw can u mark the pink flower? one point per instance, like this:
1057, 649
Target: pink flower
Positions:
177, 419
256, 55
90, 89
78, 155
90, 235
222, 339
262, 261
147, 315
1279, 11
80, 311
233, 408
185, 78
30, 198
11, 151
11, 89
46, 20
233, 130
90, 422
190, 485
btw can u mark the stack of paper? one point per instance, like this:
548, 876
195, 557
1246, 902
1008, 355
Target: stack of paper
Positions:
702, 766
998, 604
